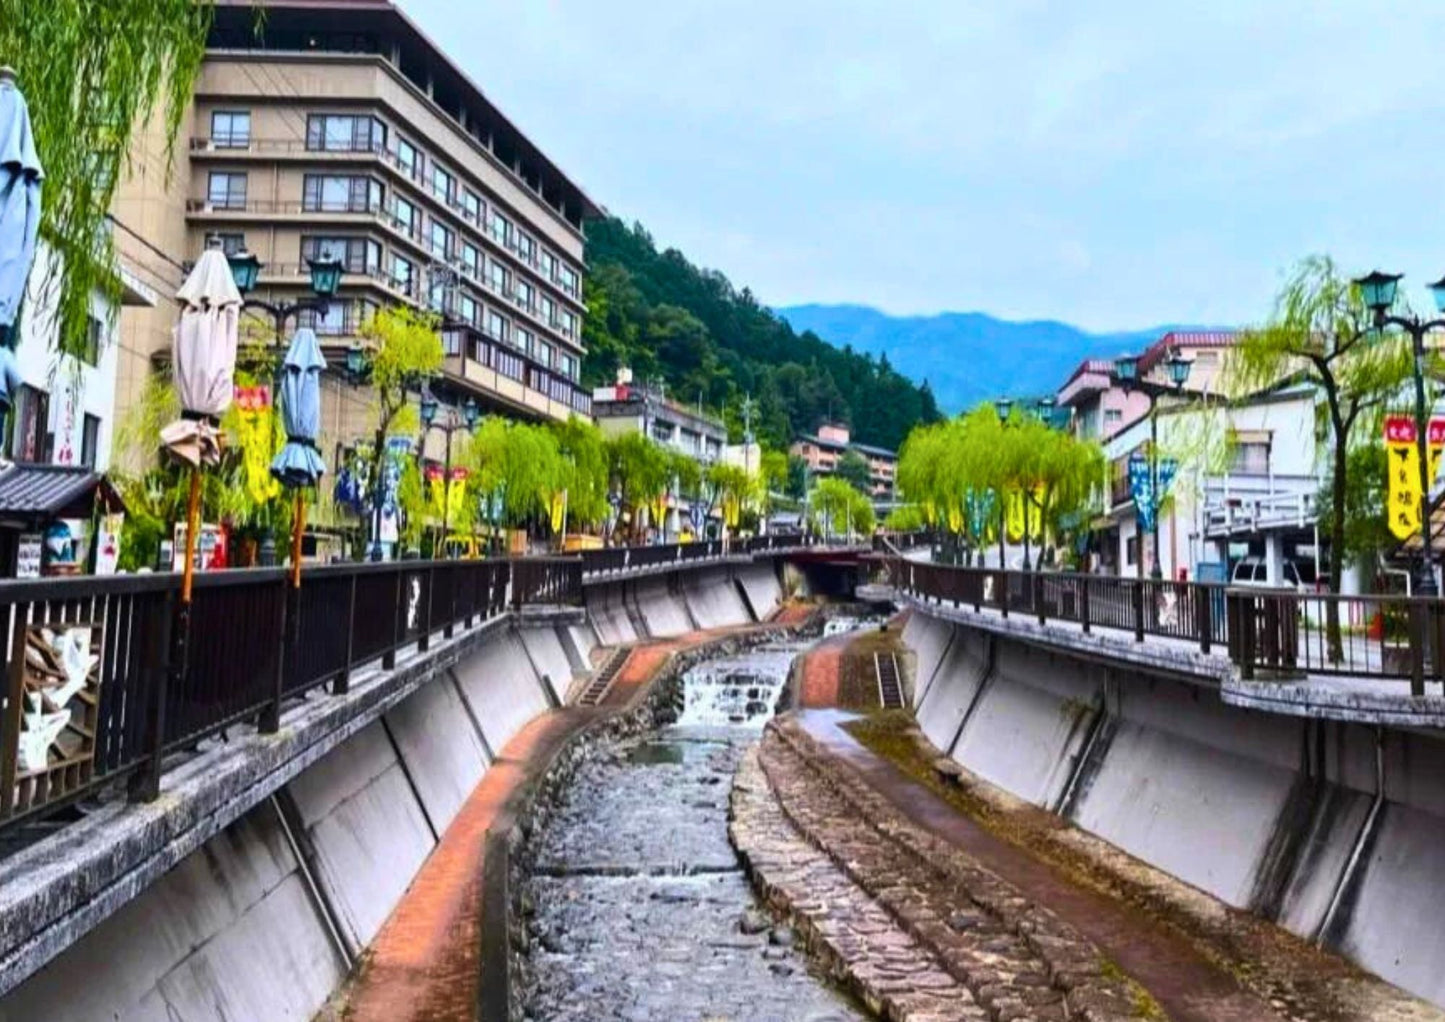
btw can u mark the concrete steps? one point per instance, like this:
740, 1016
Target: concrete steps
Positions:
597, 687
890, 690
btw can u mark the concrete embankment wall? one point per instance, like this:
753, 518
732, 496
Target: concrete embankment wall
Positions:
665, 605
1265, 812
264, 919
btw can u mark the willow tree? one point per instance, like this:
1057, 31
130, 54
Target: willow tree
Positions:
641, 471
1322, 333
93, 72
584, 474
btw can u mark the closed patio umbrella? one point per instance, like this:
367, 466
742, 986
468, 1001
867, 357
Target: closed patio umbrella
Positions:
204, 359
299, 464
20, 176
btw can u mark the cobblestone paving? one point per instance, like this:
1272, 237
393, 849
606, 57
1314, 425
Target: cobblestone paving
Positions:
640, 910
1017, 959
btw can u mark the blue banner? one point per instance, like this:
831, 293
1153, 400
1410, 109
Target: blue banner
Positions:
1141, 488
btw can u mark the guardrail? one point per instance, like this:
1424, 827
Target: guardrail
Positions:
619, 559
1264, 632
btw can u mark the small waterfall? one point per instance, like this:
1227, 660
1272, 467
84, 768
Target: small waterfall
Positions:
739, 691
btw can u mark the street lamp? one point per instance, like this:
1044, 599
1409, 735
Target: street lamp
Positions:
1377, 291
1126, 372
1003, 407
470, 413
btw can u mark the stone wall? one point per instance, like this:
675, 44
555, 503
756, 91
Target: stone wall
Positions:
1283, 816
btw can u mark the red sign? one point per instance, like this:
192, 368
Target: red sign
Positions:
1400, 429
253, 399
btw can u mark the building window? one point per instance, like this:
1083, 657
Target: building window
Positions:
497, 277
32, 440
345, 133
543, 354
569, 324
441, 241
338, 319
89, 440
357, 255
443, 185
339, 193
405, 217
1131, 550
467, 309
1251, 458
1113, 416
403, 275
526, 248
548, 310
525, 341
525, 294
231, 242
569, 281
496, 326
94, 335
408, 159
231, 129
549, 266
569, 366
500, 228
472, 207
471, 261
226, 190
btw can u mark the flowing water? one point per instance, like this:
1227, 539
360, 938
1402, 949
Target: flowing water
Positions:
641, 909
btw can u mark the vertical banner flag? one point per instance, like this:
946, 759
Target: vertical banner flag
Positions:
1402, 507
1141, 487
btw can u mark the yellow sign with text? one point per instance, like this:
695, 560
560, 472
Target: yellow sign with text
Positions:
1402, 505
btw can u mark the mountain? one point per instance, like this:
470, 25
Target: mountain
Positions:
968, 357
711, 342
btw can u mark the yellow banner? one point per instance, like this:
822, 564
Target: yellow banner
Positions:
1402, 507
1014, 516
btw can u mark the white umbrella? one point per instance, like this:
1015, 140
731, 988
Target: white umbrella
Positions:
20, 176
204, 359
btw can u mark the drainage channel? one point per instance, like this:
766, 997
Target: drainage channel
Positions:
639, 909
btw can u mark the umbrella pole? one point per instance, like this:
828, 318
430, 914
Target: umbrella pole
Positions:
193, 524
298, 526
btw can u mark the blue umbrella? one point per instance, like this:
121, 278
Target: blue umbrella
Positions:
20, 175
299, 464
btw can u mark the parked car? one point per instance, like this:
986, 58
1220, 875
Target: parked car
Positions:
1253, 571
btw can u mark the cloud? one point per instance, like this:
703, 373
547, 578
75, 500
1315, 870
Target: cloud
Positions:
1111, 164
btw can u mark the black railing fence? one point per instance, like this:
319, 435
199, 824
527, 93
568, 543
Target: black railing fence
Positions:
1265, 632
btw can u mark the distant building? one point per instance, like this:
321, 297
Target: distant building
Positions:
822, 452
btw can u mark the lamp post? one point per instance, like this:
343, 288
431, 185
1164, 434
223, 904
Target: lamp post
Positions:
1126, 371
468, 420
325, 275
1378, 293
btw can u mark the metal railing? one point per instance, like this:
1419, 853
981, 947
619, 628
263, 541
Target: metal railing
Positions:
1264, 632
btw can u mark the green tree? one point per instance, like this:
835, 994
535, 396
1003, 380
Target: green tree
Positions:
836, 508
584, 452
641, 472
853, 469
93, 71
1322, 333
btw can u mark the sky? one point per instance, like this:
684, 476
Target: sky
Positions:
1109, 163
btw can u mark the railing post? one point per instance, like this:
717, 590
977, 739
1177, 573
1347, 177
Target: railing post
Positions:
270, 720
1036, 585
398, 618
1001, 591
341, 684
1137, 590
145, 784
1084, 602
424, 609
1418, 638
1203, 616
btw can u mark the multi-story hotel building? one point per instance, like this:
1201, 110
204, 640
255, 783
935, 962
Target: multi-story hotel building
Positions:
823, 451
335, 127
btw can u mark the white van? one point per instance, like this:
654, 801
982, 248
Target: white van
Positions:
1253, 571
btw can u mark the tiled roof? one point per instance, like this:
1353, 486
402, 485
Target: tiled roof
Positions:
49, 489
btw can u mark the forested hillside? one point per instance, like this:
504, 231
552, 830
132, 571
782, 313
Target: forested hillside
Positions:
670, 320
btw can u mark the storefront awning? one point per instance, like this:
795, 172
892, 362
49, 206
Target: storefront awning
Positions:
55, 491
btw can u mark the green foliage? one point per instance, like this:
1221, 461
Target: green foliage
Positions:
584, 452
905, 518
640, 469
93, 71
404, 348
657, 313
1367, 535
797, 481
853, 469
834, 507
523, 459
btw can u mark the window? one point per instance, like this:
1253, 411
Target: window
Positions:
497, 277
496, 326
405, 217
547, 308
340, 193
499, 227
569, 323
441, 240
569, 281
549, 266
569, 367
227, 190
231, 242
345, 133
1113, 416
32, 440
543, 354
467, 309
443, 185
472, 207
524, 340
440, 293
1251, 458
471, 261
89, 440
331, 324
403, 274
408, 159
1131, 550
526, 293
526, 247
231, 129
94, 335
357, 255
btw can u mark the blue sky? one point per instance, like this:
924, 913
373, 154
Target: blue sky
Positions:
1112, 164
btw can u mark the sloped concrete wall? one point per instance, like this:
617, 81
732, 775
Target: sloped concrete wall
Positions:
929, 639
231, 933
662, 610
441, 746
1030, 723
761, 582
713, 599
956, 684
503, 690
608, 615
549, 659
